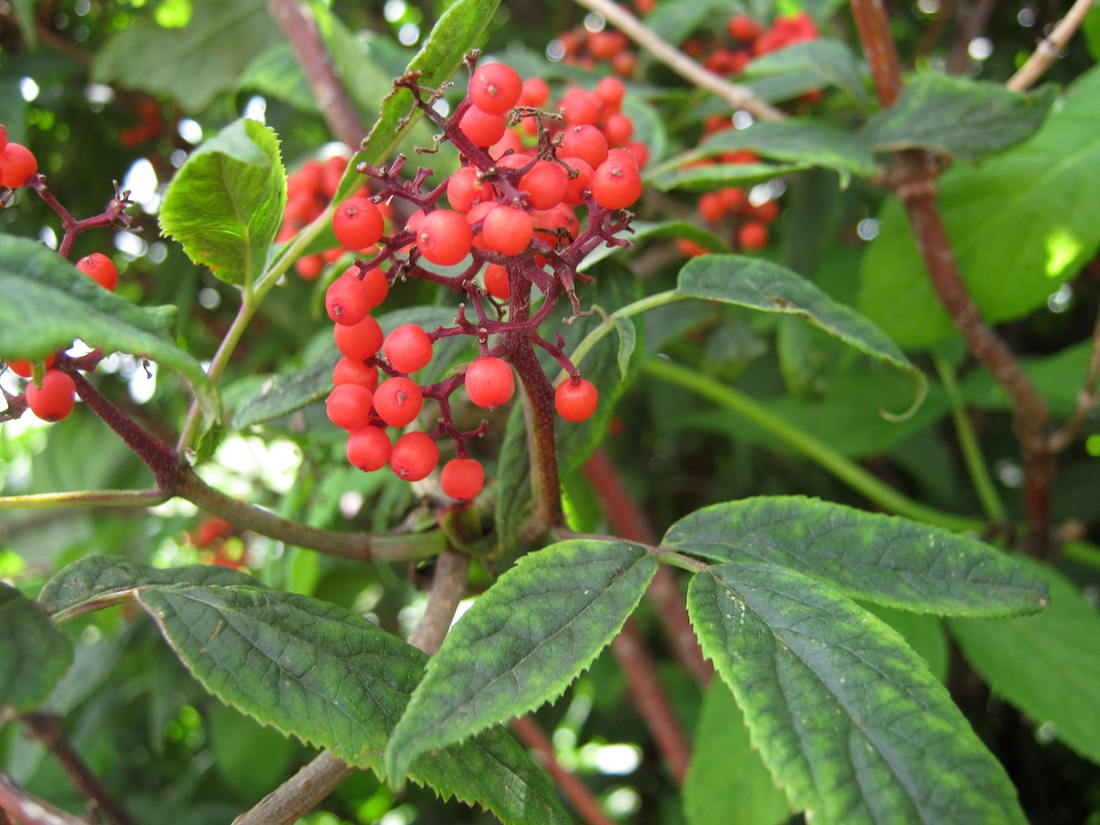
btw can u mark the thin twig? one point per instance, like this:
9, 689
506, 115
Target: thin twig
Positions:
650, 699
297, 23
305, 790
85, 498
582, 800
738, 96
628, 520
47, 730
1049, 48
1087, 398
28, 809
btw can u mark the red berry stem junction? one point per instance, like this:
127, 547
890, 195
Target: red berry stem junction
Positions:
509, 207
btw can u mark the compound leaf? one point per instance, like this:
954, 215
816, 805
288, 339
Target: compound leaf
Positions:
225, 204
522, 642
336, 680
33, 277
884, 559
1046, 665
845, 715
94, 582
768, 287
34, 654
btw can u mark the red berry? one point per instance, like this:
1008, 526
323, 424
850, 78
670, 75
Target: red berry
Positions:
545, 184
414, 456
489, 382
482, 128
375, 283
358, 223
768, 211
578, 184
507, 230
464, 190
611, 91
17, 163
398, 401
100, 269
496, 281
585, 142
576, 399
752, 235
462, 478
618, 128
711, 207
346, 299
535, 92
616, 184
444, 237
348, 371
408, 348
369, 449
744, 28
3, 137
55, 398
348, 406
359, 341
24, 369
581, 106
495, 88
309, 267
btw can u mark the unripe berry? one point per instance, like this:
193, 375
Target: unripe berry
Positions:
489, 382
369, 449
398, 401
54, 400
414, 456
358, 224
408, 348
462, 478
576, 399
100, 269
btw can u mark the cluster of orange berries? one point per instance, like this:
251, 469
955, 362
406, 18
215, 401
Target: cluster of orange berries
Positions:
750, 38
308, 191
731, 205
510, 216
585, 48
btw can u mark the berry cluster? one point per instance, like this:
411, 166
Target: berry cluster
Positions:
309, 191
750, 38
217, 543
587, 49
509, 217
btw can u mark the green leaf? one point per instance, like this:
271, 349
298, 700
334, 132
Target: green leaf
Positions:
277, 73
522, 643
798, 140
1020, 225
226, 202
826, 59
34, 654
769, 287
628, 339
847, 718
676, 20
885, 559
514, 494
1046, 665
33, 277
192, 64
95, 582
336, 680
726, 783
958, 116
640, 230
705, 178
455, 33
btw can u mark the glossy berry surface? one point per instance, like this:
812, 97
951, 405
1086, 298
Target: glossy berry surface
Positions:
56, 397
489, 382
100, 269
17, 163
444, 237
358, 223
408, 348
495, 88
462, 478
348, 371
24, 368
358, 341
576, 400
616, 184
369, 449
348, 406
398, 401
414, 456
507, 230
346, 300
